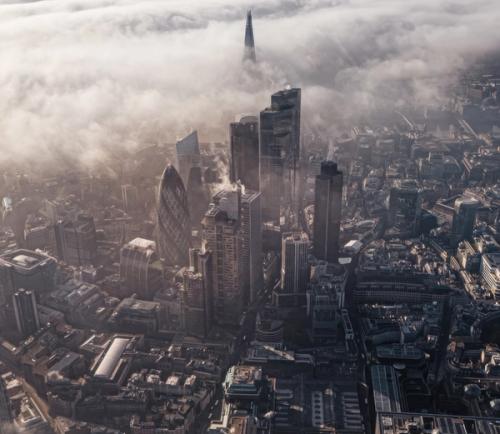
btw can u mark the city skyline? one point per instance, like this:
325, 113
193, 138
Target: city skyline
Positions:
300, 236
90, 100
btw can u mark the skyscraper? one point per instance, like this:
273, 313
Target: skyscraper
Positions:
173, 223
251, 235
222, 236
76, 241
25, 269
197, 294
140, 268
294, 262
327, 212
249, 54
405, 205
188, 155
245, 152
243, 206
279, 153
26, 312
463, 219
197, 196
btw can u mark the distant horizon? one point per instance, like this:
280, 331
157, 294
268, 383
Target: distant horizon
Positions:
87, 80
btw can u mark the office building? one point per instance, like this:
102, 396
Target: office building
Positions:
195, 312
327, 212
26, 312
76, 241
420, 423
26, 269
269, 329
405, 206
136, 316
464, 217
325, 299
113, 365
243, 383
197, 196
490, 273
245, 152
245, 209
173, 221
251, 237
5, 405
280, 153
221, 233
130, 198
386, 389
197, 315
249, 53
141, 270
294, 263
188, 155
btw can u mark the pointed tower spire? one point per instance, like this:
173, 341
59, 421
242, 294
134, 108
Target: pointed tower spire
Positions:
249, 42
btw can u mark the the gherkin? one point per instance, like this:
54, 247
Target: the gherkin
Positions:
173, 222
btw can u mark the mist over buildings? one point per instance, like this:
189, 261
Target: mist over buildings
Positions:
89, 79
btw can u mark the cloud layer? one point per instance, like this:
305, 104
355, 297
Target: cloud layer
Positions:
89, 78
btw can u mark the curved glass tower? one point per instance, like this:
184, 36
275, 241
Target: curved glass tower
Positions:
173, 225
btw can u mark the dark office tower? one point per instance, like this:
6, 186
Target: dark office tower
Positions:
405, 206
196, 295
294, 262
25, 269
140, 268
463, 219
249, 54
197, 196
26, 312
222, 237
288, 103
173, 224
188, 155
327, 212
76, 240
251, 236
279, 153
245, 152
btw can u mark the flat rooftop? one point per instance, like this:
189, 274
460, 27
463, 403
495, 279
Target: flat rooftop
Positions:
25, 259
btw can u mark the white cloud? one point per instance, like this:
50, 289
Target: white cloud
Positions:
89, 77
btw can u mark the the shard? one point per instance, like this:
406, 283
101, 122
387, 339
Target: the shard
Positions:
174, 224
249, 54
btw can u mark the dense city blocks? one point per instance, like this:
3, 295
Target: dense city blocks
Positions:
291, 231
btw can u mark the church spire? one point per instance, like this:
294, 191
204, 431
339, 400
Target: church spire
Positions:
249, 41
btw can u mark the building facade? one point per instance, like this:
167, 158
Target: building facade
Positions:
222, 237
280, 152
327, 212
464, 217
140, 268
26, 312
173, 220
245, 152
188, 155
76, 241
294, 269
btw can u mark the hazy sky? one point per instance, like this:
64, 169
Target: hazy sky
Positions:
93, 76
